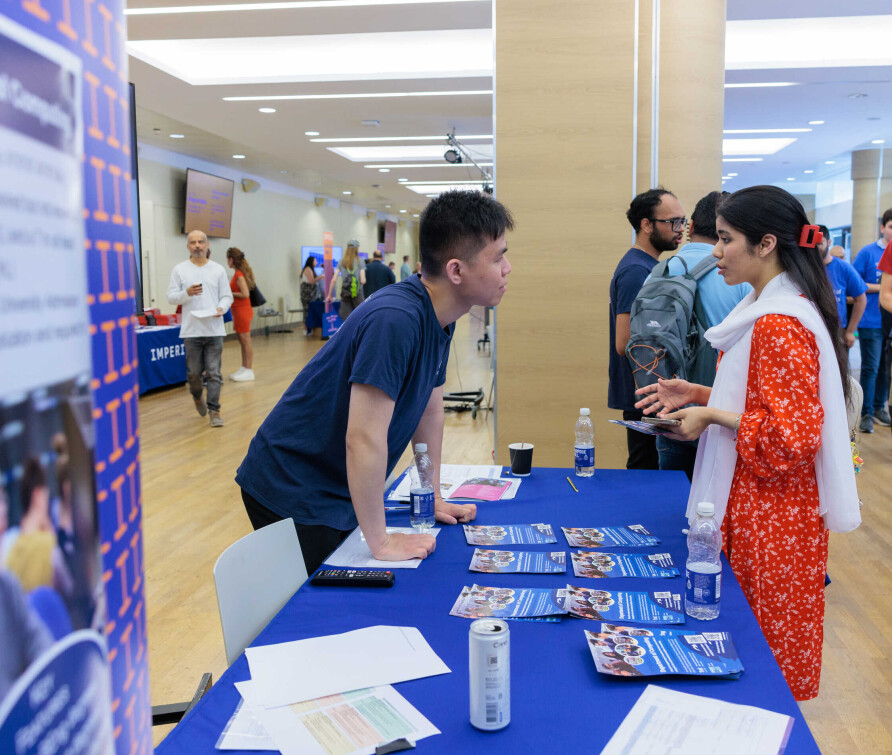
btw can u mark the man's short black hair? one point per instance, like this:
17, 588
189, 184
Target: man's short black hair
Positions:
826, 233
33, 477
887, 216
644, 204
457, 225
703, 218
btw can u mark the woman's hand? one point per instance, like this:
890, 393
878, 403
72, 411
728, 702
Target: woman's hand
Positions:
666, 396
694, 421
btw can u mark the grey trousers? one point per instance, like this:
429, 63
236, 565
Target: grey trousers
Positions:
205, 355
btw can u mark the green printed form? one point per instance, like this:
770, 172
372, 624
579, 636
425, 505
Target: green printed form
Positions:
385, 718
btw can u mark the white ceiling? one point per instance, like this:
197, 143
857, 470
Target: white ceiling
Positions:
403, 48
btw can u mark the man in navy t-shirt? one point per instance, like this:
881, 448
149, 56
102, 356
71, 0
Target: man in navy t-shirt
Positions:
845, 281
659, 223
322, 455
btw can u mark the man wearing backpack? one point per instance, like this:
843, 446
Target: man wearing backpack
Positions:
659, 222
714, 300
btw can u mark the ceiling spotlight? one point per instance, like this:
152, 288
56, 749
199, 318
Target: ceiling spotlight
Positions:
238, 157
384, 170
791, 179
732, 175
402, 180
311, 133
267, 110
283, 172
347, 193
416, 215
808, 171
387, 207
177, 136
829, 162
402, 210
816, 123
452, 156
878, 141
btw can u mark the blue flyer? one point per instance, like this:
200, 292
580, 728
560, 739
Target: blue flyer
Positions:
634, 607
600, 564
509, 534
478, 602
636, 651
513, 562
635, 535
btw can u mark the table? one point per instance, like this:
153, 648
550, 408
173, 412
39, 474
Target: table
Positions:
162, 357
559, 702
314, 314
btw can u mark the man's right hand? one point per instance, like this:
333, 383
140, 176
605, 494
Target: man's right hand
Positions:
399, 546
194, 290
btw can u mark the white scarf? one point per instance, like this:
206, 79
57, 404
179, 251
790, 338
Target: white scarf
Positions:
717, 452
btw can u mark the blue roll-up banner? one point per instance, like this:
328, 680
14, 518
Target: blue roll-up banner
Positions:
73, 665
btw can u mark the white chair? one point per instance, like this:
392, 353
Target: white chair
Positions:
255, 577
289, 310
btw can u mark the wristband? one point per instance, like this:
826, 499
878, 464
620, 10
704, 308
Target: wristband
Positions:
737, 425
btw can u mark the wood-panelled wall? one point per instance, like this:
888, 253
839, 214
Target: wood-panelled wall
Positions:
564, 138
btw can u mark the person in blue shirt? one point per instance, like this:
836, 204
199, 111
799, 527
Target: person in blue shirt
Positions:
874, 370
323, 454
658, 220
845, 282
717, 299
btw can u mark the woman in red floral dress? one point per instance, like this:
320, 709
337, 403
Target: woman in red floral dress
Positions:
774, 457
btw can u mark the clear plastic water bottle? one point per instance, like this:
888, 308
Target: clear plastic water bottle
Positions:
585, 445
421, 495
703, 590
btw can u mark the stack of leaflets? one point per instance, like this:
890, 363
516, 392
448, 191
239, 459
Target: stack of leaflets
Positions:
636, 651
481, 489
597, 537
601, 564
509, 534
634, 607
513, 562
478, 602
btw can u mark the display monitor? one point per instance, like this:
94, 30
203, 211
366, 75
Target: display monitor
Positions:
208, 204
319, 253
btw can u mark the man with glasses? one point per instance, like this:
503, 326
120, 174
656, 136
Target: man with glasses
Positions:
659, 222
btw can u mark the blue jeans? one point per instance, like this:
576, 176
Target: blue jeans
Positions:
677, 455
874, 384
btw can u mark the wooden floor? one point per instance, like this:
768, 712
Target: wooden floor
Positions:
192, 511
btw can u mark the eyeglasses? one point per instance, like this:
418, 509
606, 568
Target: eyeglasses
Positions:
678, 224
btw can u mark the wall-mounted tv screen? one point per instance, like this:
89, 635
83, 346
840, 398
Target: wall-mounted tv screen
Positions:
319, 253
208, 204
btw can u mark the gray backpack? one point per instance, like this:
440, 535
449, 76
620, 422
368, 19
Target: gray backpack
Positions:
666, 328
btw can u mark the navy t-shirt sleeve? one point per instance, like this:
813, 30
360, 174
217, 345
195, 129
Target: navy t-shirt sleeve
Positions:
628, 284
383, 350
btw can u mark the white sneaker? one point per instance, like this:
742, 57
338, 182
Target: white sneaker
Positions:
243, 375
239, 371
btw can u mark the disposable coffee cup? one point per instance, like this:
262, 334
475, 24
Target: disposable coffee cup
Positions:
521, 455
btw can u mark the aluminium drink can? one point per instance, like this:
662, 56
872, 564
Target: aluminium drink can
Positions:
489, 669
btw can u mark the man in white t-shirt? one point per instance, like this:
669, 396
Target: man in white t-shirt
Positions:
202, 288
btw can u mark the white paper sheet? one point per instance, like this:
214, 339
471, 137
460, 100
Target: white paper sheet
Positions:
350, 724
354, 551
453, 475
291, 672
245, 732
203, 313
665, 722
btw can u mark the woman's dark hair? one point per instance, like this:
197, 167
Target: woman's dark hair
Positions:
241, 264
310, 263
33, 478
761, 210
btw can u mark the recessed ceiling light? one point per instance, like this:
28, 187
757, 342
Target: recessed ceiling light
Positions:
761, 84
808, 171
283, 172
766, 130
267, 109
877, 141
415, 215
816, 123
829, 162
741, 159
402, 180
311, 133
429, 165
391, 153
437, 138
791, 178
402, 210
754, 146
348, 193
233, 7
732, 175
358, 95
384, 170
238, 157
177, 136
387, 207
454, 183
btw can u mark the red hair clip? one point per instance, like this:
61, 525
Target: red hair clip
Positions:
816, 236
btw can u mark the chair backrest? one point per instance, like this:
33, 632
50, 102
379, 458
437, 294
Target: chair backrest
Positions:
255, 577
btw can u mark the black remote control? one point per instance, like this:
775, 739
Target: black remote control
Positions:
352, 578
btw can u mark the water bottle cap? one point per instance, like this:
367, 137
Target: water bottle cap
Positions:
421, 448
584, 412
705, 508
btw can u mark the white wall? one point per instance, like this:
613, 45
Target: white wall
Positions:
269, 226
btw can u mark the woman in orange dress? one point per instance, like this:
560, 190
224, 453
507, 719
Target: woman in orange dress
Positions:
774, 457
241, 285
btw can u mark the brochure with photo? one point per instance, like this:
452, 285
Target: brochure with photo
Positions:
514, 562
509, 534
599, 564
481, 489
478, 602
634, 535
635, 607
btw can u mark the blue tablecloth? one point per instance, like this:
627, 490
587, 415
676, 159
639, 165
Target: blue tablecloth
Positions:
316, 311
162, 357
559, 702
